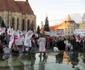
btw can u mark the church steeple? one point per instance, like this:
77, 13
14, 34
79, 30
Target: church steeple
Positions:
68, 18
27, 1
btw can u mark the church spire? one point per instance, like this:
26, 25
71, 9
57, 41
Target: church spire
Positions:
68, 18
27, 1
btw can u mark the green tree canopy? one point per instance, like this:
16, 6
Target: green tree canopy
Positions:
38, 30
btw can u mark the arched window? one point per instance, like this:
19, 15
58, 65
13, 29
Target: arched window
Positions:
13, 22
17, 23
32, 25
28, 24
2, 24
23, 22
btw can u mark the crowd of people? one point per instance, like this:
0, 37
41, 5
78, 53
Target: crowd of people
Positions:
27, 42
70, 43
22, 42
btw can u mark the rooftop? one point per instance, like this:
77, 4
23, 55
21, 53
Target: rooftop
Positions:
15, 6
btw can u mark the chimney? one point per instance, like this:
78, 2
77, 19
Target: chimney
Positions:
27, 1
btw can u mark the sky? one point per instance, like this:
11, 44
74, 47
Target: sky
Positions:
56, 10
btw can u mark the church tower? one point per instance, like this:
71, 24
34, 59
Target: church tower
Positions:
68, 18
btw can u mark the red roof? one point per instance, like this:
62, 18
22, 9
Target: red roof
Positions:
15, 6
8, 5
24, 7
54, 28
3, 5
12, 6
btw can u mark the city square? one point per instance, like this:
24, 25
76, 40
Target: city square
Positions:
42, 35
52, 61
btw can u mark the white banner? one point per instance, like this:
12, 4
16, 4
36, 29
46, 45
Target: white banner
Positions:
60, 32
2, 30
80, 32
47, 33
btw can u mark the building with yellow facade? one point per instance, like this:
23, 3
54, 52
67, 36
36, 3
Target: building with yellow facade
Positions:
68, 26
82, 24
17, 14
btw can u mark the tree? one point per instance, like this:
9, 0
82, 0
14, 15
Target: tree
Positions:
46, 26
38, 30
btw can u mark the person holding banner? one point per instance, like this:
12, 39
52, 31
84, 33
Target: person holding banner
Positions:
19, 43
27, 41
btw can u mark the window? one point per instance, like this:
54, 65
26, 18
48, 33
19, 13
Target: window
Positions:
13, 23
32, 25
22, 24
28, 24
17, 23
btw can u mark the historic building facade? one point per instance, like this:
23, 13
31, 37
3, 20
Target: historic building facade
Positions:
82, 24
17, 14
68, 26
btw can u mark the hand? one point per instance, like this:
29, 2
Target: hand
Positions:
32, 40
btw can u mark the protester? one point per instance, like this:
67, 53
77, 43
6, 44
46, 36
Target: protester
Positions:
7, 39
60, 44
27, 41
68, 46
1, 47
42, 44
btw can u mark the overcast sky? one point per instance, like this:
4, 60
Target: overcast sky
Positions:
56, 10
